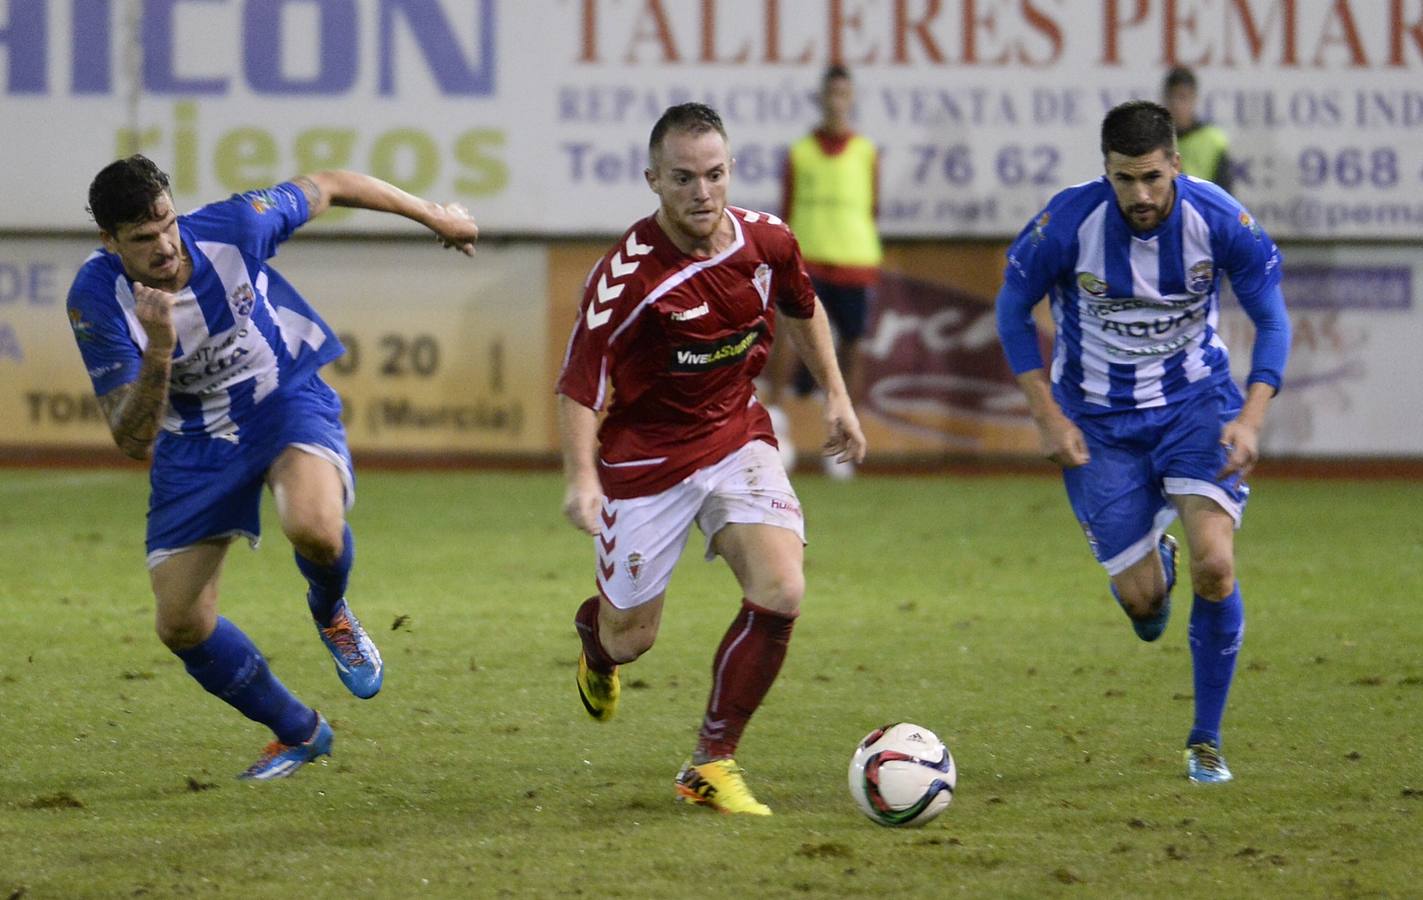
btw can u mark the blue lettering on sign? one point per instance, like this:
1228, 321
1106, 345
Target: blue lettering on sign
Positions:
262, 45
158, 74
24, 40
33, 282
432, 31
440, 30
10, 344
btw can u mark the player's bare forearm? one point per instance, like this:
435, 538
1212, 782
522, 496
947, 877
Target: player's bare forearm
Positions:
816, 348
578, 436
1060, 440
135, 410
356, 190
1241, 437
811, 338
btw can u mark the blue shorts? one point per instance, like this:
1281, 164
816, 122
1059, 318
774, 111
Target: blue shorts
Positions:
205, 487
847, 307
1142, 457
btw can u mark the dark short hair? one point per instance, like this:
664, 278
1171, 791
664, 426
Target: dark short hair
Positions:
834, 72
1180, 76
125, 192
1138, 127
692, 118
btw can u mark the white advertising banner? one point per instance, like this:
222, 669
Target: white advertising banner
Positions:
536, 112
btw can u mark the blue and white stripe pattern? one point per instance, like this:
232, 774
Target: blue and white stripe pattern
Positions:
244, 333
1136, 313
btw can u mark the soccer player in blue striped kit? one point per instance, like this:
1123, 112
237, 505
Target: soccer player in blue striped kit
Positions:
1140, 409
206, 360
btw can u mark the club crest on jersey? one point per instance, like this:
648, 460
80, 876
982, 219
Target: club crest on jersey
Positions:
762, 281
1198, 280
634, 564
1092, 284
241, 300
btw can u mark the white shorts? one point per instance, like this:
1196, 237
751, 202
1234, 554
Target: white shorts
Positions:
643, 537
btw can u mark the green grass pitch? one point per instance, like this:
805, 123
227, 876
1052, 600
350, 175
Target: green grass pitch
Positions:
968, 605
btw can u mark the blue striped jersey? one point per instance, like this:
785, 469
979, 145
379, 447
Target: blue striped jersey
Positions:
1136, 313
244, 333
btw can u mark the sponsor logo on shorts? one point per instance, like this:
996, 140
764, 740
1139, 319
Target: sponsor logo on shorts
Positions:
1091, 538
725, 352
786, 506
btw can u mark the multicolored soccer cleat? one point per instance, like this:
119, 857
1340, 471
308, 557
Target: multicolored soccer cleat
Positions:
280, 760
598, 692
1205, 765
358, 662
719, 785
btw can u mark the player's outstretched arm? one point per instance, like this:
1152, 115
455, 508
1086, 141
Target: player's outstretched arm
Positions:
135, 410
583, 492
451, 222
811, 338
1060, 440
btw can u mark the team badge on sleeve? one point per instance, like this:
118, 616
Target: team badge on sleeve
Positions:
1037, 234
83, 330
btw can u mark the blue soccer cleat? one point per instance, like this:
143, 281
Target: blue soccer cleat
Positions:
280, 760
1151, 628
1205, 765
357, 660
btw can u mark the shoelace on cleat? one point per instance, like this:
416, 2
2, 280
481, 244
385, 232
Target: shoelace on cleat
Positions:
343, 636
270, 752
1208, 756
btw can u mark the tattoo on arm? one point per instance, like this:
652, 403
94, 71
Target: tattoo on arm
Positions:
311, 189
135, 410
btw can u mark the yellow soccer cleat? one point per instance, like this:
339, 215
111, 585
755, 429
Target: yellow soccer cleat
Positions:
599, 693
718, 784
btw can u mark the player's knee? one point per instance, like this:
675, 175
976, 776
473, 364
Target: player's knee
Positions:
1213, 575
626, 644
180, 633
318, 540
780, 593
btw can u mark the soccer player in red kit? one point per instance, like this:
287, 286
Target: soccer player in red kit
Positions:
676, 321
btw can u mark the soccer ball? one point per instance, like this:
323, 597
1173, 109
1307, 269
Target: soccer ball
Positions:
902, 774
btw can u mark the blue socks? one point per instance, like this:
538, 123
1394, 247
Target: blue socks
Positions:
229, 666
328, 583
1216, 632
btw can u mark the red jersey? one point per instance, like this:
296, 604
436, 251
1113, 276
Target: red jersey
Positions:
678, 339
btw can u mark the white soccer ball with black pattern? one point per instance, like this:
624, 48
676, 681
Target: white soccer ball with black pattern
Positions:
902, 774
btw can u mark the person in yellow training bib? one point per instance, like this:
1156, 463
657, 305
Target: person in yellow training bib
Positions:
1204, 148
830, 198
